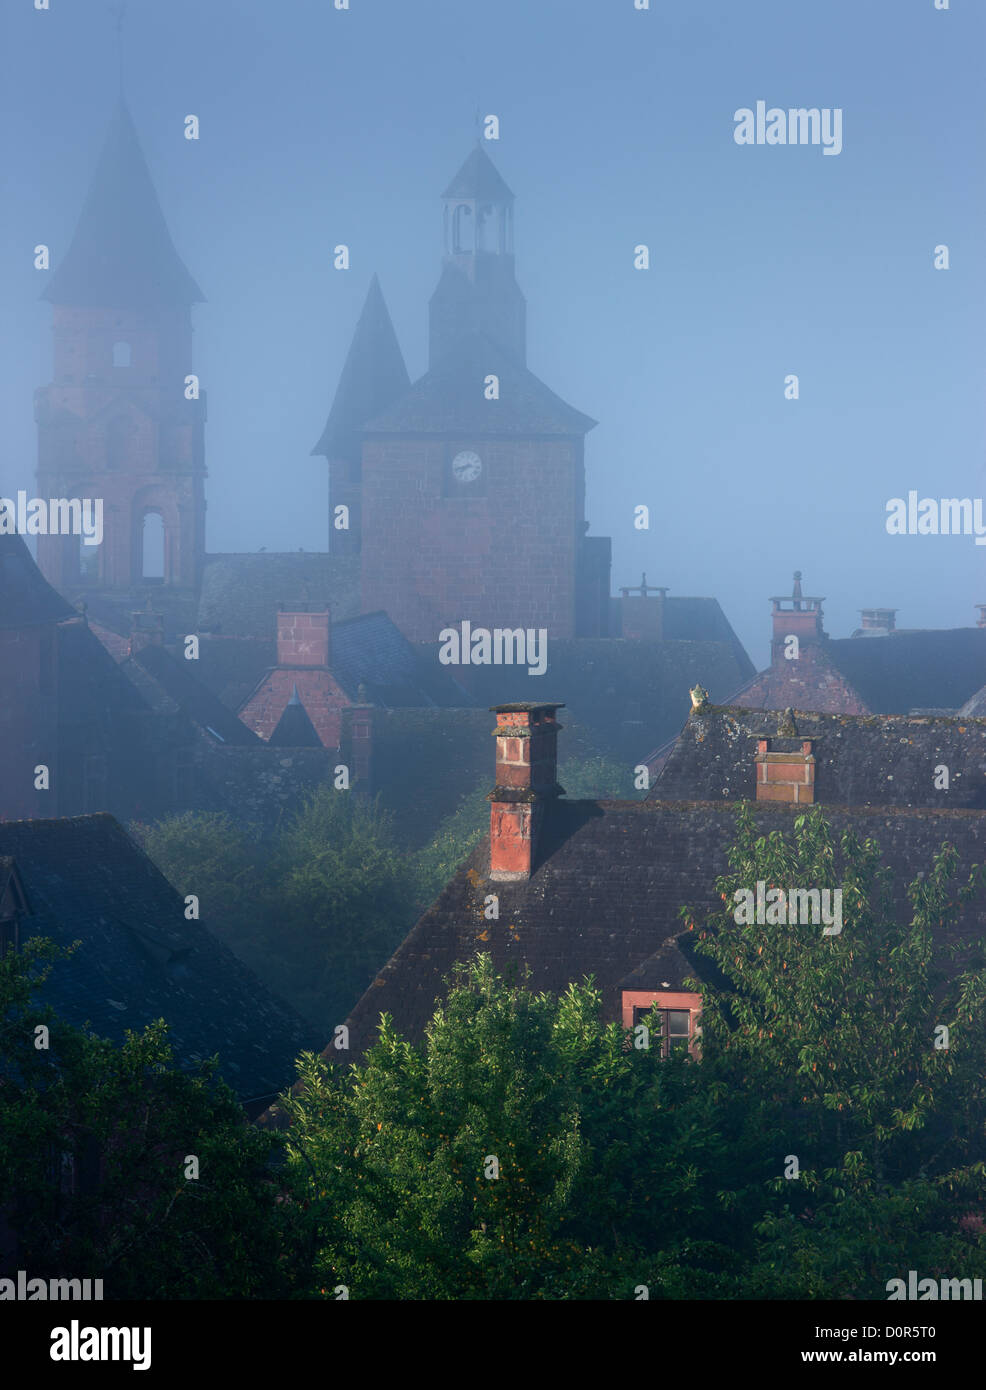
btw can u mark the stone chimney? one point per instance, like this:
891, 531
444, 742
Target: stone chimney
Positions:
795, 616
526, 780
877, 620
303, 635
642, 617
982, 614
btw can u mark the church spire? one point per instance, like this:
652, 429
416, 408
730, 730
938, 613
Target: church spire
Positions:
478, 292
122, 255
373, 377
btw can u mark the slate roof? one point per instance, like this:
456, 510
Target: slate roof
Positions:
449, 399
122, 255
373, 376
140, 959
371, 652
26, 597
938, 668
241, 593
197, 701
294, 729
606, 894
860, 760
478, 177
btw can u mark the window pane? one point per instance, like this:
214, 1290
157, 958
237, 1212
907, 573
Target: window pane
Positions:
678, 1023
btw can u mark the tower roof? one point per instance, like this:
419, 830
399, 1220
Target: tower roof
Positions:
122, 255
295, 729
26, 597
374, 375
479, 178
449, 399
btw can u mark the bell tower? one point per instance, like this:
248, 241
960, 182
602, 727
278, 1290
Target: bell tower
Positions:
122, 419
478, 292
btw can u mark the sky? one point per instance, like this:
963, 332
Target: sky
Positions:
320, 126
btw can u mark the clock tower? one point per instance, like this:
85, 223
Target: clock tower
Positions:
473, 480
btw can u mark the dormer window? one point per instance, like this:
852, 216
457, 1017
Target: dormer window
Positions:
674, 1017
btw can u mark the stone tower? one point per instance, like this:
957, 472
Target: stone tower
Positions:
120, 420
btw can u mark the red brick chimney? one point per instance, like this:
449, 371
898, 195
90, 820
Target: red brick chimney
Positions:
526, 780
785, 776
795, 616
303, 636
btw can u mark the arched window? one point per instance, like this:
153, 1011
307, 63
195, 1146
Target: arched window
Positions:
462, 228
152, 546
121, 354
487, 231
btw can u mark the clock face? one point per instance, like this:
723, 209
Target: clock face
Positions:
466, 466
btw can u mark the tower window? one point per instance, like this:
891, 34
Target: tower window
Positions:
462, 228
152, 546
121, 354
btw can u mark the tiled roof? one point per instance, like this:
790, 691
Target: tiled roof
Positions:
930, 668
241, 593
885, 760
450, 399
140, 959
26, 597
372, 652
196, 700
606, 895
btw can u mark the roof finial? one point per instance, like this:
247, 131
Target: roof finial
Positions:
119, 12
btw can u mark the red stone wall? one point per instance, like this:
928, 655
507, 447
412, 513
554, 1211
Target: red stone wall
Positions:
126, 435
321, 696
506, 559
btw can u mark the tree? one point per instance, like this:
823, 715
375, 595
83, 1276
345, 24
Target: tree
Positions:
127, 1121
834, 1040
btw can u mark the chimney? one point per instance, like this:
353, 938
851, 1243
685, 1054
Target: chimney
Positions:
785, 776
878, 620
526, 771
146, 630
982, 614
303, 635
795, 616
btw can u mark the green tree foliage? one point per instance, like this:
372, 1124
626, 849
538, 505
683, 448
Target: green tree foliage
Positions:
619, 1169
833, 1039
314, 910
128, 1120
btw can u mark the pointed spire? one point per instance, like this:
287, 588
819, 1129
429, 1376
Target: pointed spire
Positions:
294, 729
480, 179
122, 255
373, 377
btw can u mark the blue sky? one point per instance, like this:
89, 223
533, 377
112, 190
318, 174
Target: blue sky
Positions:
320, 126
